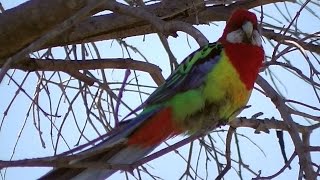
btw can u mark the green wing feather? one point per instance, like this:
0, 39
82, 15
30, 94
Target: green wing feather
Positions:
189, 74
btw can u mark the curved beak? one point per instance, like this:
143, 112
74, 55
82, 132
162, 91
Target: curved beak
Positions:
247, 27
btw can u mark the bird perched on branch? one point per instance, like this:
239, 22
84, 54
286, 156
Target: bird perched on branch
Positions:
209, 88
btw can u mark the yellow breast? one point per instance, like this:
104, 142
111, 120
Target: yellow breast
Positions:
225, 89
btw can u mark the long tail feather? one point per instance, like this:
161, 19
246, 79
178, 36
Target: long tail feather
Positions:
137, 139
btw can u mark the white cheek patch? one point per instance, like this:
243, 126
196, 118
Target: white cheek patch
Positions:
256, 38
239, 35
235, 36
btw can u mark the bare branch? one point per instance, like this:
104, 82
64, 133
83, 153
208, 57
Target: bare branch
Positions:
67, 66
48, 36
292, 128
228, 154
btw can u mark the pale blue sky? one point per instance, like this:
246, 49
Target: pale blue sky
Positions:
30, 146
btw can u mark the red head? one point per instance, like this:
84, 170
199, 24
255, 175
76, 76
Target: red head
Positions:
242, 27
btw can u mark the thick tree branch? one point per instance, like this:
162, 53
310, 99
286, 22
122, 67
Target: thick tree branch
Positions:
160, 25
23, 24
18, 28
37, 44
113, 26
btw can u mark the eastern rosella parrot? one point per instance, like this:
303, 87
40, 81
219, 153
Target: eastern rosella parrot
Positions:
209, 88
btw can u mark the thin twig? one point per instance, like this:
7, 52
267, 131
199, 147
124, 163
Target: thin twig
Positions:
228, 154
124, 82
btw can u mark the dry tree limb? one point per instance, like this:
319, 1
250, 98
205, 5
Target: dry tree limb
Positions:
304, 159
62, 160
23, 24
76, 17
166, 28
50, 13
31, 64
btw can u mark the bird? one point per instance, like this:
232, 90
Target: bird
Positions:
208, 89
